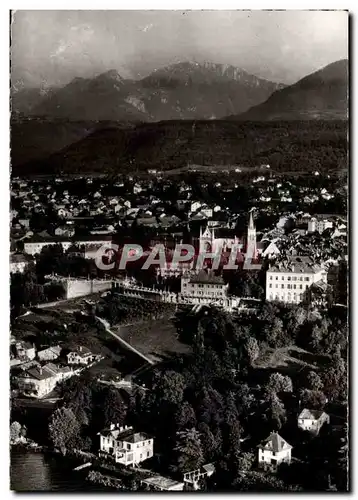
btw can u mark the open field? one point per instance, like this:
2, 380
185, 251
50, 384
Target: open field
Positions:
156, 339
289, 360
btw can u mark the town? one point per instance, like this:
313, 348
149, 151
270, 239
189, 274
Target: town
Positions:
283, 306
179, 264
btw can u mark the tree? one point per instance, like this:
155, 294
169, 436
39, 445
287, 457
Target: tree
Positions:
252, 348
15, 430
246, 461
315, 400
63, 429
113, 408
314, 381
274, 412
188, 450
279, 383
170, 387
210, 445
185, 416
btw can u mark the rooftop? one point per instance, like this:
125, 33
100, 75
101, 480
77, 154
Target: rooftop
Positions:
164, 483
296, 264
275, 443
310, 414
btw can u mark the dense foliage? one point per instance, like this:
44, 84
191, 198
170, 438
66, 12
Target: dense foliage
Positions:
285, 146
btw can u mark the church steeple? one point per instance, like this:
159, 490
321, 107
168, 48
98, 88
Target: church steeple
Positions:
251, 238
251, 221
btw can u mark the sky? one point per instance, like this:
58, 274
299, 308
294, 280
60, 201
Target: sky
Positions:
56, 46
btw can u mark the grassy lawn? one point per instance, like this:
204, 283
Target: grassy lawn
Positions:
289, 360
155, 338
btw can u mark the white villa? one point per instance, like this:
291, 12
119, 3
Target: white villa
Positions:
274, 450
126, 446
312, 420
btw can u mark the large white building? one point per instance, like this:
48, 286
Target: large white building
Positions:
289, 281
127, 447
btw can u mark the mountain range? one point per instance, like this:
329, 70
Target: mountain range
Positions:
186, 90
83, 115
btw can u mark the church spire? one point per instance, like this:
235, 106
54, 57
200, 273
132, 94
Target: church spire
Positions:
251, 221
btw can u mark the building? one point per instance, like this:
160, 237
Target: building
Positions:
319, 224
204, 287
251, 262
312, 420
126, 446
49, 354
18, 262
213, 240
161, 483
80, 356
25, 351
39, 381
274, 450
289, 281
35, 245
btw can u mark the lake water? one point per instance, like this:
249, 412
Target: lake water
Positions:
32, 471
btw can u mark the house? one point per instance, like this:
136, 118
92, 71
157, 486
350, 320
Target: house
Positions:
62, 212
39, 381
271, 250
126, 446
274, 450
18, 262
312, 420
49, 354
319, 224
160, 483
289, 281
25, 350
80, 356
65, 231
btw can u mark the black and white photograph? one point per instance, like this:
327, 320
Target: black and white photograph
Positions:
179, 264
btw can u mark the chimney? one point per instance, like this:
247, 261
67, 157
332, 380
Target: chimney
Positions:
111, 427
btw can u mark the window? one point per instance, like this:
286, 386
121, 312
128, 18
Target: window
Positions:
294, 278
294, 286
307, 279
148, 453
289, 287
276, 286
271, 278
128, 446
283, 278
289, 278
270, 285
282, 286
300, 287
276, 278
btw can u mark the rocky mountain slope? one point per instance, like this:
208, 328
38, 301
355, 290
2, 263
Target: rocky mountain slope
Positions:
321, 95
180, 91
